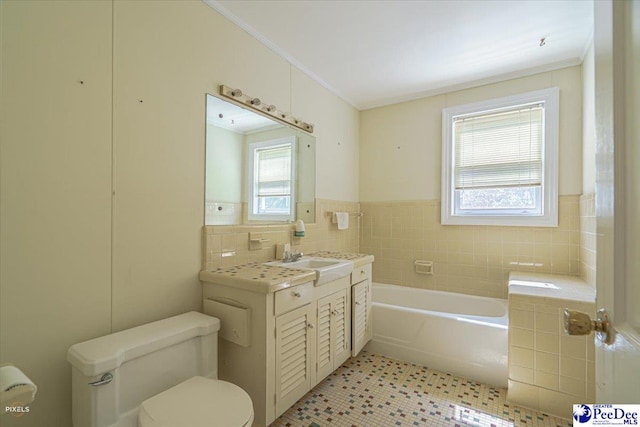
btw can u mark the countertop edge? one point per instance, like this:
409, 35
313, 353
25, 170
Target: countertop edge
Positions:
258, 286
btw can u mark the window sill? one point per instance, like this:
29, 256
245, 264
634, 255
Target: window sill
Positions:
507, 221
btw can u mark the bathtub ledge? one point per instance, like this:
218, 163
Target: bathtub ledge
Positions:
551, 286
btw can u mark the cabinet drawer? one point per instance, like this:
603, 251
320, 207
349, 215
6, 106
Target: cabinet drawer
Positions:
360, 273
294, 297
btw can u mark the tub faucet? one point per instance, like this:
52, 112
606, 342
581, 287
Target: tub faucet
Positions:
292, 256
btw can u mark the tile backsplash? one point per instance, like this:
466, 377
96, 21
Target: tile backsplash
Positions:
467, 259
225, 246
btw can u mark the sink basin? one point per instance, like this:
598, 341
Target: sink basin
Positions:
316, 263
327, 269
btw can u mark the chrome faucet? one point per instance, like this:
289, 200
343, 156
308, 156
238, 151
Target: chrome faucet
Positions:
292, 256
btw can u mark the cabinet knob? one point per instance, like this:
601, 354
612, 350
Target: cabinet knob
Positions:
334, 312
296, 294
310, 325
363, 272
357, 302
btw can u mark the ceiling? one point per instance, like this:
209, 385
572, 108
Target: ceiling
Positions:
373, 53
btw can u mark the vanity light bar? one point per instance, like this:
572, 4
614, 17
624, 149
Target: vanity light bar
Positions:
270, 110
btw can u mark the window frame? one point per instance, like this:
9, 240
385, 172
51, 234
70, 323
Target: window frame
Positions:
251, 183
549, 217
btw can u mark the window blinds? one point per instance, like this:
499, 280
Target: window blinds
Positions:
273, 171
502, 149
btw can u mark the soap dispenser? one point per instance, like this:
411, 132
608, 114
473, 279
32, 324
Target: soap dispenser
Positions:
299, 232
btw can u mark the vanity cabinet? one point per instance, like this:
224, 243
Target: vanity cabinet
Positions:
332, 334
278, 343
361, 306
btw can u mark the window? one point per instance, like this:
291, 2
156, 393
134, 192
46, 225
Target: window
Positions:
271, 179
500, 161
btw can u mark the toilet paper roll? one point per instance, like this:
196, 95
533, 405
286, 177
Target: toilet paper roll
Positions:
14, 383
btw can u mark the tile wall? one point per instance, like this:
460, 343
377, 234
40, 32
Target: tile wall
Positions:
467, 259
549, 371
225, 246
588, 238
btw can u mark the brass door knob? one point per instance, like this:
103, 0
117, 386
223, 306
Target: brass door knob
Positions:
579, 323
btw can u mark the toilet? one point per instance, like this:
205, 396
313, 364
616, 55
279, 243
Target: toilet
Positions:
159, 374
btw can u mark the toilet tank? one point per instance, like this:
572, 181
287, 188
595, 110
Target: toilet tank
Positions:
143, 361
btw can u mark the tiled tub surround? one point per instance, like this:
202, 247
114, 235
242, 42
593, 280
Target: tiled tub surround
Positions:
588, 238
549, 370
227, 246
467, 259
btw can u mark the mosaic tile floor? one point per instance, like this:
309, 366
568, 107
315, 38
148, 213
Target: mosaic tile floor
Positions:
372, 390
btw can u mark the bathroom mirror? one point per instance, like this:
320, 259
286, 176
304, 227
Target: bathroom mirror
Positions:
258, 170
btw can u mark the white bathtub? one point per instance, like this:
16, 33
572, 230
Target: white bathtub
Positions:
460, 334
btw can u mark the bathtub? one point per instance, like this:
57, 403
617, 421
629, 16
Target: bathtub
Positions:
463, 335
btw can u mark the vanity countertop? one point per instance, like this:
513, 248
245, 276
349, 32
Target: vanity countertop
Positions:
358, 259
258, 277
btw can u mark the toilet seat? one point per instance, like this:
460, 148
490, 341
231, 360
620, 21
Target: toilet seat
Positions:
198, 402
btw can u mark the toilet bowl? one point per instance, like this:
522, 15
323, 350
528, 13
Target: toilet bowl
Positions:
162, 374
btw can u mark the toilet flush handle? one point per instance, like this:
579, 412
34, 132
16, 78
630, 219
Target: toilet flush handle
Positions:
105, 379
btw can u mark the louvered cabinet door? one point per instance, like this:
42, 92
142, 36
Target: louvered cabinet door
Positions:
332, 345
325, 338
361, 316
341, 326
293, 356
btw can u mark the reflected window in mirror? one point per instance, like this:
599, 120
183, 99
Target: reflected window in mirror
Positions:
272, 179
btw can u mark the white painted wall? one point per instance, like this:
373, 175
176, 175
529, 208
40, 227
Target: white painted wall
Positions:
55, 190
400, 145
76, 261
337, 136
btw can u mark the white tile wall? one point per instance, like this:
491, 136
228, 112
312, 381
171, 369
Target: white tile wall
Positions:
467, 259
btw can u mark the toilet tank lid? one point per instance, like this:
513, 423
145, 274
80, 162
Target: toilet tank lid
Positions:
100, 355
